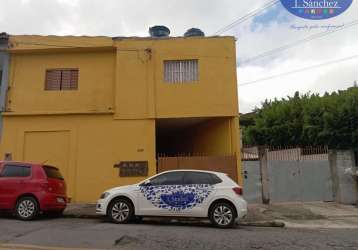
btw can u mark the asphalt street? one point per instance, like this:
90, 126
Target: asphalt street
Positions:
99, 234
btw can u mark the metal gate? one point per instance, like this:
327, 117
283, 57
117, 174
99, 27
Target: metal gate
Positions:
252, 181
300, 181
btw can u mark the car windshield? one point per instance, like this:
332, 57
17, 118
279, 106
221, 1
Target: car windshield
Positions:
52, 172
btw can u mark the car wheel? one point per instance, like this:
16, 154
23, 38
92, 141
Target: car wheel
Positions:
27, 208
222, 215
120, 211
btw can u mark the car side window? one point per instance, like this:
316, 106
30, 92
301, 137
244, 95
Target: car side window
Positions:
200, 178
15, 171
215, 179
174, 178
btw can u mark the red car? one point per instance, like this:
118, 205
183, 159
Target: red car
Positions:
29, 189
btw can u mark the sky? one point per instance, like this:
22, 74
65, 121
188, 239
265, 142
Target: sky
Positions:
272, 29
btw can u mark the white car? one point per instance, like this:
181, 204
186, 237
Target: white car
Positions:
178, 193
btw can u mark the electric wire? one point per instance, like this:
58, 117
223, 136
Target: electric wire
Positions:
300, 70
298, 43
246, 17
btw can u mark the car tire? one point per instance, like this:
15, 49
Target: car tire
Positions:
27, 208
120, 211
138, 219
222, 215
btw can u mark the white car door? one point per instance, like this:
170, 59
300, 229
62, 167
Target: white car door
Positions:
179, 193
162, 195
202, 186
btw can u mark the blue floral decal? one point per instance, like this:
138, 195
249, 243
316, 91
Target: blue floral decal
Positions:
176, 197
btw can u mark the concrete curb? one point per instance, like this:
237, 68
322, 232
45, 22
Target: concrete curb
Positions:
263, 224
83, 216
247, 224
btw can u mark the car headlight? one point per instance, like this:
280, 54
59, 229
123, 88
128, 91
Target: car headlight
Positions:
104, 195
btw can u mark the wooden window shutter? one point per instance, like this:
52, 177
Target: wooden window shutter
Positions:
53, 80
69, 79
61, 79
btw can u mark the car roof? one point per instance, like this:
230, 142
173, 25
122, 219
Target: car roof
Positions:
19, 163
193, 170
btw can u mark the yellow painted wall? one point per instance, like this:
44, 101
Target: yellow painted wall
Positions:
93, 144
95, 83
218, 136
125, 76
111, 117
142, 92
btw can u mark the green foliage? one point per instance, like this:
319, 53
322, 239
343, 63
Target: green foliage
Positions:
307, 119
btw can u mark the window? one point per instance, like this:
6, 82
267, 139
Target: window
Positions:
181, 71
52, 172
16, 171
200, 178
61, 79
174, 178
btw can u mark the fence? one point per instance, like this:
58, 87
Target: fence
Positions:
286, 153
226, 164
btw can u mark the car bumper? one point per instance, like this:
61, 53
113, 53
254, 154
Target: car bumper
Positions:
241, 208
101, 207
50, 202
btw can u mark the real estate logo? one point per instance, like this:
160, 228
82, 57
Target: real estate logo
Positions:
316, 9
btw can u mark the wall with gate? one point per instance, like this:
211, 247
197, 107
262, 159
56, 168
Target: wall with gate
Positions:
287, 175
225, 164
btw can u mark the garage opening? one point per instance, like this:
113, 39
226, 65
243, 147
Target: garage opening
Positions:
196, 143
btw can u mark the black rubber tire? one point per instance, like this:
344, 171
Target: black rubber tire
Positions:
113, 203
227, 205
137, 219
29, 200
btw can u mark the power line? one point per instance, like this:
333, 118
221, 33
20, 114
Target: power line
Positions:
299, 42
246, 17
300, 70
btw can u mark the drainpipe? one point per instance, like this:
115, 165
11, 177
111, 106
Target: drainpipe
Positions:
4, 55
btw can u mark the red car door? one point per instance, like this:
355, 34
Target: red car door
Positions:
13, 181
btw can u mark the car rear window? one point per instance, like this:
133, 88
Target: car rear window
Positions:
53, 172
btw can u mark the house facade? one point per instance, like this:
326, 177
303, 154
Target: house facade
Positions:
91, 105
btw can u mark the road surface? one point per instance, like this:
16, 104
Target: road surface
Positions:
99, 234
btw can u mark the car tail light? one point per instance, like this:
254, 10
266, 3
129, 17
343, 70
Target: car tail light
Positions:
238, 190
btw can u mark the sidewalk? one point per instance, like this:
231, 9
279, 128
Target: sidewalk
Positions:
320, 215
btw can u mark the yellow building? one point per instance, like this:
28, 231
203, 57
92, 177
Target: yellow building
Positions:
85, 104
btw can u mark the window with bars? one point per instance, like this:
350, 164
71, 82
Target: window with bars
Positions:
61, 79
181, 71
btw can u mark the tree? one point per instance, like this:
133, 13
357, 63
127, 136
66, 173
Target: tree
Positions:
307, 120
